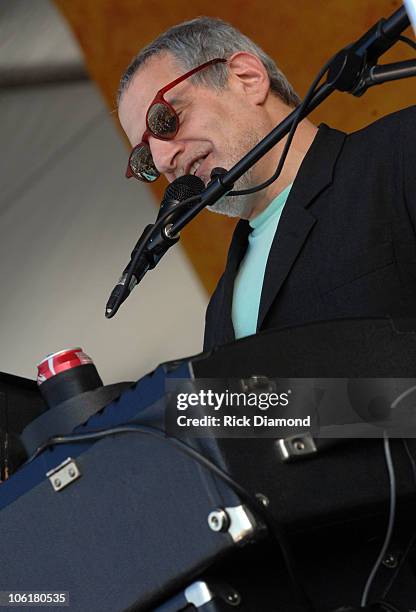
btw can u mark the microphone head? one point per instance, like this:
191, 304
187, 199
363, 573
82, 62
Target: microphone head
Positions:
183, 188
180, 190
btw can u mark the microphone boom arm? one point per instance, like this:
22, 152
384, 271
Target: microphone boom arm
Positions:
344, 72
353, 69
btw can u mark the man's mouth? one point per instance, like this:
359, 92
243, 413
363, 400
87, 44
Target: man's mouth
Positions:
194, 167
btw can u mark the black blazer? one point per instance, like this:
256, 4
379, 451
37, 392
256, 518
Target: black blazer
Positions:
345, 244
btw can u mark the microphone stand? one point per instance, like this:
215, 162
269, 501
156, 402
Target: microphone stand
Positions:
353, 69
350, 70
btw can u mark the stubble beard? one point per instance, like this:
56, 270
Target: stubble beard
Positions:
238, 206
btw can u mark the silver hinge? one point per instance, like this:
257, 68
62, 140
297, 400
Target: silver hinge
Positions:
296, 447
65, 473
237, 521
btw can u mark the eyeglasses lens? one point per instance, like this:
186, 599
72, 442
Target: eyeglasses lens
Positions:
162, 121
142, 165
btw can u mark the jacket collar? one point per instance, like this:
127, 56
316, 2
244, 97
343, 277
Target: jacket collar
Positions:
315, 174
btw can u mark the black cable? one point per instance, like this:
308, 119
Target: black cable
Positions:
388, 606
390, 525
408, 41
411, 458
254, 504
296, 120
412, 539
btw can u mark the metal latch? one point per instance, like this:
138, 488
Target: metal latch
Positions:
63, 474
296, 447
200, 593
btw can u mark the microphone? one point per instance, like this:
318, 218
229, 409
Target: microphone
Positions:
178, 191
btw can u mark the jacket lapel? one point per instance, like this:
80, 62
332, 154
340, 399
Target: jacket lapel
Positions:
235, 255
296, 222
314, 175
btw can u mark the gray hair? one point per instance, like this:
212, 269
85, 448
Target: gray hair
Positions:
194, 42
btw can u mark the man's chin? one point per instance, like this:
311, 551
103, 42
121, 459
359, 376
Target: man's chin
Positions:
232, 206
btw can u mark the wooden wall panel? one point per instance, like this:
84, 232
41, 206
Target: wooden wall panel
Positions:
300, 34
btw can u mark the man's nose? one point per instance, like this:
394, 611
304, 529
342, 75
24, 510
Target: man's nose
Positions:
166, 154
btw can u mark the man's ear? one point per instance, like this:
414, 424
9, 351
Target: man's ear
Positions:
248, 74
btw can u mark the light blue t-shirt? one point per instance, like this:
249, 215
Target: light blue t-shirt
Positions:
249, 280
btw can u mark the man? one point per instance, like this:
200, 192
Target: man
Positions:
332, 237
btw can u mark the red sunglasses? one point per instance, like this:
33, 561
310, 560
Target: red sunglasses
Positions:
162, 122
